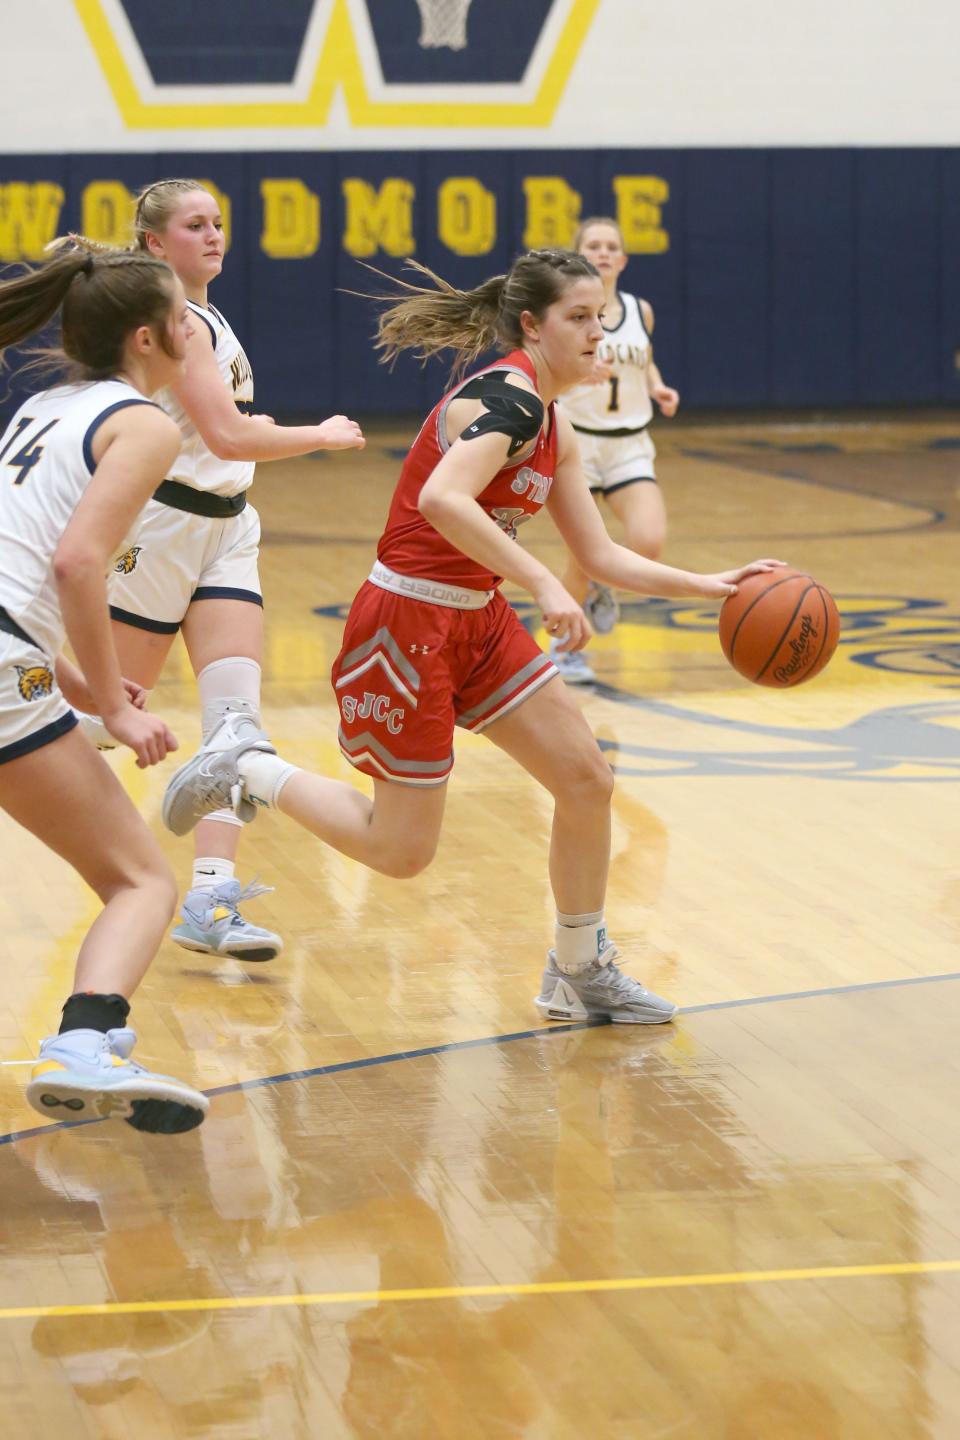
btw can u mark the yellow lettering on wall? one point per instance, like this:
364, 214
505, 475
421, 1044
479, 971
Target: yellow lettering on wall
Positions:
29, 218
106, 212
466, 215
639, 214
379, 219
553, 211
291, 220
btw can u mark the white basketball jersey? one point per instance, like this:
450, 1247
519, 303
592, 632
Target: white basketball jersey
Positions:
196, 465
46, 461
622, 402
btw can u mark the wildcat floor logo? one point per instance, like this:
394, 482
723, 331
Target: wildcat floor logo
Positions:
901, 635
903, 743
180, 65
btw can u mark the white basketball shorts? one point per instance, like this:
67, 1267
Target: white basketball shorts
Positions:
178, 557
33, 712
611, 461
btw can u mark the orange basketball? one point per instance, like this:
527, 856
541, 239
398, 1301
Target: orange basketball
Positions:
780, 628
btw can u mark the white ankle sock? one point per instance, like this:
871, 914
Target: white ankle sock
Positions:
579, 940
210, 870
264, 776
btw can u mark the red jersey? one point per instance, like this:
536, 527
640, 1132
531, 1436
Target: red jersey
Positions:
411, 546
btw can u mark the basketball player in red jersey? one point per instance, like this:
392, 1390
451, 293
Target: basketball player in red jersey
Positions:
431, 643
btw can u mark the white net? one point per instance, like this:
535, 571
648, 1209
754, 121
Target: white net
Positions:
444, 22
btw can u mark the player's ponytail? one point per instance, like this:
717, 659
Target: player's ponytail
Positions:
431, 319
100, 294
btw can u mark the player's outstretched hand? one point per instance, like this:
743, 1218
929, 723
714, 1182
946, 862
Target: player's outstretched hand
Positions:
149, 737
563, 619
339, 433
718, 587
667, 398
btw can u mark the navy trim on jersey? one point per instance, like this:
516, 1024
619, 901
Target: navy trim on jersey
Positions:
622, 484
13, 627
619, 434
39, 738
94, 426
225, 592
197, 310
140, 622
621, 296
624, 297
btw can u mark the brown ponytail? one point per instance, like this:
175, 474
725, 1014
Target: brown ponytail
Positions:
101, 296
438, 317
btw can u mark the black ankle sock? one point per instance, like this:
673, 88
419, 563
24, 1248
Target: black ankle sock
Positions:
94, 1012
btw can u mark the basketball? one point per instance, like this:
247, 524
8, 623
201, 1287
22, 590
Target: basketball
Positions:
780, 628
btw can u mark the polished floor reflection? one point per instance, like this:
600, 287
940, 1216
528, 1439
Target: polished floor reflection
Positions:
415, 1213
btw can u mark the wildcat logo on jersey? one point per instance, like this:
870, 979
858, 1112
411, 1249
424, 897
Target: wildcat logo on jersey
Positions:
128, 560
34, 681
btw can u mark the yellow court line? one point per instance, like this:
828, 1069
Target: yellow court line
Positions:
467, 1292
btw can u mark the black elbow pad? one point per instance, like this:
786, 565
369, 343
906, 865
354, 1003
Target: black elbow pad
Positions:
509, 411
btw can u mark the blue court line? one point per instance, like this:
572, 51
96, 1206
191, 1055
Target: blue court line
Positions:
542, 1033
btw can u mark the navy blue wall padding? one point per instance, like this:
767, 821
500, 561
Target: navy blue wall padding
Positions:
898, 272
815, 277
812, 341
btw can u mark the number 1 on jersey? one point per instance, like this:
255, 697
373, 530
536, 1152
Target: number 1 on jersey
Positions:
614, 393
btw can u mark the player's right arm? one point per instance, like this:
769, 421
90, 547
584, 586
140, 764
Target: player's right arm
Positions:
230, 434
132, 450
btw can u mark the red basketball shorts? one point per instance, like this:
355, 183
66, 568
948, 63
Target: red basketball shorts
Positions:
410, 670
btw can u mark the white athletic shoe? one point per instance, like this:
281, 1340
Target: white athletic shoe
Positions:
603, 989
210, 780
85, 1074
574, 667
212, 923
601, 607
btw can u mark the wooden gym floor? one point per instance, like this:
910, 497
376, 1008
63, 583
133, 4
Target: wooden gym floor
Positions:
415, 1211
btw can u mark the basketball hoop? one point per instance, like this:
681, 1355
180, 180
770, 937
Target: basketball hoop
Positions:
444, 23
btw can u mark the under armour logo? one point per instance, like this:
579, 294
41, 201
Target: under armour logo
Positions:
419, 649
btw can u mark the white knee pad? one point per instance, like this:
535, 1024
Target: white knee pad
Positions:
230, 684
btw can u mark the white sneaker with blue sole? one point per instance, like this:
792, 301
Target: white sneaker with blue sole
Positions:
87, 1075
212, 923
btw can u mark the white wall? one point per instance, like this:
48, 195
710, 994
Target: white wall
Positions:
648, 73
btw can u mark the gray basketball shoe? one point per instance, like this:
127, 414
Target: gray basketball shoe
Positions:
601, 990
601, 607
573, 666
211, 780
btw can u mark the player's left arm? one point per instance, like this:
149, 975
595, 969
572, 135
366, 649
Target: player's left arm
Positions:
666, 397
578, 520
